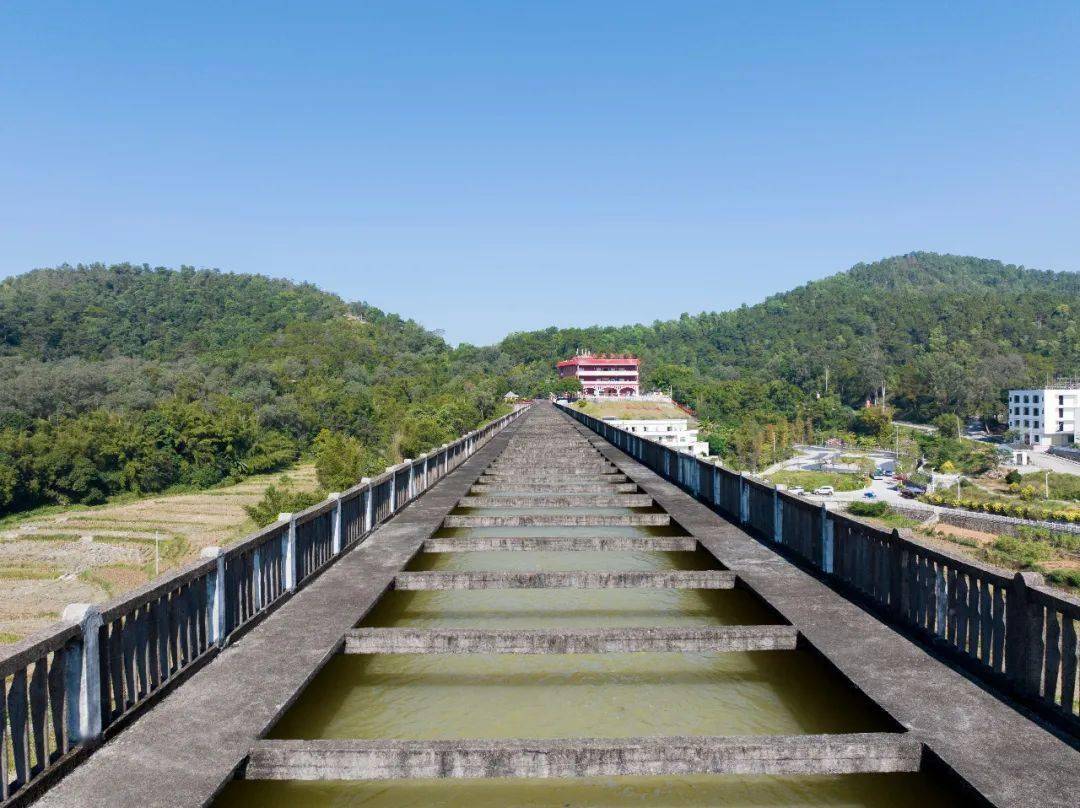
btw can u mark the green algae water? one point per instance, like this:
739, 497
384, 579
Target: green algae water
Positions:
420, 697
847, 791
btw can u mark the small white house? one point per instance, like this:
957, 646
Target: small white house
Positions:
1046, 417
673, 432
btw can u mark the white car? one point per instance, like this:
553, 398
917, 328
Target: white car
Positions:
797, 490
825, 491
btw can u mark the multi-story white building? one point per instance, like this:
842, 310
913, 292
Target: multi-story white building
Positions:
1046, 417
673, 432
604, 374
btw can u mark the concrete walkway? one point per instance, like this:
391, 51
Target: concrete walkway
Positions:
187, 747
1007, 757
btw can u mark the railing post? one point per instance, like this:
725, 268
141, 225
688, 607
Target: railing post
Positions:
828, 533
1024, 635
393, 489
369, 511
257, 569
897, 574
744, 499
335, 523
778, 516
288, 551
82, 676
409, 493
215, 596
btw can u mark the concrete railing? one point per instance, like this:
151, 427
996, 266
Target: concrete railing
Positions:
1008, 628
67, 689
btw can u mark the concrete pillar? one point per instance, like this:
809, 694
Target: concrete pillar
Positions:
828, 549
215, 596
778, 517
369, 511
82, 675
744, 499
393, 488
288, 551
335, 523
257, 589
1024, 643
941, 602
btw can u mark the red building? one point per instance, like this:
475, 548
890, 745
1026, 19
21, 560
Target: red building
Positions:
604, 375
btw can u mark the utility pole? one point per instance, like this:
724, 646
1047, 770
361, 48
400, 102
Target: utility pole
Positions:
826, 380
1046, 481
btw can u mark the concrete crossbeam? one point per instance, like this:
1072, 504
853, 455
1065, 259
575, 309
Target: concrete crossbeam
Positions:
350, 759
710, 639
497, 489
558, 501
632, 579
559, 520
672, 544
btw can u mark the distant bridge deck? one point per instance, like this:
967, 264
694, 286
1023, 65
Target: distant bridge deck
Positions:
187, 747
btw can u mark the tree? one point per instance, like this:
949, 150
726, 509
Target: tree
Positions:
873, 422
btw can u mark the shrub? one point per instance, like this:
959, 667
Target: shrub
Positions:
876, 509
1013, 477
280, 500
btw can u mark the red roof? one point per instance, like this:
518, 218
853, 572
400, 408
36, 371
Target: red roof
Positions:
601, 359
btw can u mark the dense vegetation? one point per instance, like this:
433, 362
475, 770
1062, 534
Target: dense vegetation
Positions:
944, 334
128, 378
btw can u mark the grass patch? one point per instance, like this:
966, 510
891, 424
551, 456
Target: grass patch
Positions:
631, 410
882, 513
7, 637
28, 572
815, 479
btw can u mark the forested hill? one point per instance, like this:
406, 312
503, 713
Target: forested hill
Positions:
128, 378
945, 333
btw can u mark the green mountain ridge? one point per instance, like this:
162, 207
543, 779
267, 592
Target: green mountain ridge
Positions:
132, 378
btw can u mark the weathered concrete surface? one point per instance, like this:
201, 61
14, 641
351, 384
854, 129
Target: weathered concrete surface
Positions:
498, 489
585, 757
634, 579
186, 747
555, 476
570, 641
558, 501
559, 520
1010, 759
672, 544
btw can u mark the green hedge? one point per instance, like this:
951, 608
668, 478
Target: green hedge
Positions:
1018, 510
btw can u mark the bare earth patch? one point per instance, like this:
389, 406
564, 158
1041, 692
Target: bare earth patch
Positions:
87, 555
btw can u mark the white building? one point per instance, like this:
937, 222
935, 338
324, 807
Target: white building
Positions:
673, 432
1046, 417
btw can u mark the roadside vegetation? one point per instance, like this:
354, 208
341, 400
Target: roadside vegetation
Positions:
816, 479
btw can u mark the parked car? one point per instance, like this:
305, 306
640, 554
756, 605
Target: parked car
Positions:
911, 491
797, 490
825, 491
870, 495
877, 475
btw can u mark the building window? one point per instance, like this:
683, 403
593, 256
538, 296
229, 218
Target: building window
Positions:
1027, 410
1035, 399
1025, 399
1035, 411
1035, 439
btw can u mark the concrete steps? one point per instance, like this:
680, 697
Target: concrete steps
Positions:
584, 757
712, 639
664, 544
558, 501
636, 579
559, 520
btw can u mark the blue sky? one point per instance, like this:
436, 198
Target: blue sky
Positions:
485, 167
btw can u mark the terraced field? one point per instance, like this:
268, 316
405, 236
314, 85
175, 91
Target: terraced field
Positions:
57, 557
